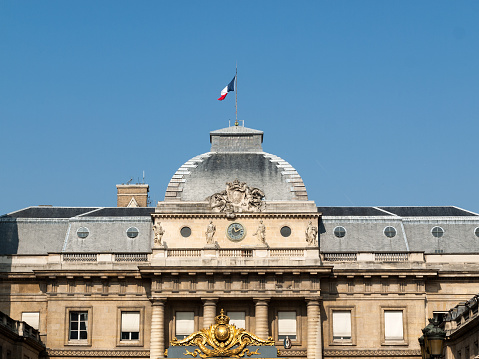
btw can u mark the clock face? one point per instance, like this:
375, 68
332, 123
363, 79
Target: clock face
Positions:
236, 232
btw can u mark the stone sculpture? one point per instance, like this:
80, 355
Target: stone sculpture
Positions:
159, 231
311, 234
261, 233
210, 233
237, 197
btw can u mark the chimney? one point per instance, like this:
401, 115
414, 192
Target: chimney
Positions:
132, 195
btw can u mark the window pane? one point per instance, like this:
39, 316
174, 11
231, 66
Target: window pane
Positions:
185, 323
342, 324
32, 319
135, 335
83, 335
393, 325
238, 319
73, 335
287, 325
130, 321
73, 316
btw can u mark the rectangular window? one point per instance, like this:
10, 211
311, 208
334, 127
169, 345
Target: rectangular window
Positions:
393, 325
78, 326
342, 325
32, 319
286, 325
130, 325
238, 319
185, 324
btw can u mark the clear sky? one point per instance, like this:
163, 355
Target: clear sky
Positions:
373, 102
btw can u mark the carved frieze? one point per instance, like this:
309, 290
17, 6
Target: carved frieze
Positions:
237, 197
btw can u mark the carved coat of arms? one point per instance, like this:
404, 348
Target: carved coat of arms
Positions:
238, 197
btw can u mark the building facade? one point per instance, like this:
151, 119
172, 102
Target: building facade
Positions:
236, 231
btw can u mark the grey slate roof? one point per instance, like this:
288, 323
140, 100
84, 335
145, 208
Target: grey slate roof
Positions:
351, 211
236, 153
49, 212
42, 230
121, 212
428, 211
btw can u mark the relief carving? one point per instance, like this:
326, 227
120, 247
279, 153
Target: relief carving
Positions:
237, 197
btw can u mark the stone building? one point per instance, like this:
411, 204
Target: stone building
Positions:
236, 231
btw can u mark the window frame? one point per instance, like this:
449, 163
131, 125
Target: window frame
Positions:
342, 342
89, 330
175, 335
389, 342
298, 311
37, 312
130, 342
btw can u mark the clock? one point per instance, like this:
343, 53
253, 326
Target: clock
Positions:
236, 232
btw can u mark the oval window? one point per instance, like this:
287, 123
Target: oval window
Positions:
285, 231
185, 231
390, 232
83, 232
132, 232
340, 232
437, 232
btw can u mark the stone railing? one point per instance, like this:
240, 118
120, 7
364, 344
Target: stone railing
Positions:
131, 257
373, 257
248, 253
80, 257
340, 257
20, 328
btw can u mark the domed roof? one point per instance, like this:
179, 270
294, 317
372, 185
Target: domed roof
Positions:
236, 154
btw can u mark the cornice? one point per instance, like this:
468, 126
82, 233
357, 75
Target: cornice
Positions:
236, 215
99, 353
372, 353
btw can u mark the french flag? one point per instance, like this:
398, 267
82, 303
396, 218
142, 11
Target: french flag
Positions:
230, 87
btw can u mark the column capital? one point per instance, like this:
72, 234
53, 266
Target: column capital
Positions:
313, 300
210, 301
261, 301
158, 301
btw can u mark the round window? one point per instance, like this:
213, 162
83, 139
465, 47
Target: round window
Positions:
476, 232
390, 232
83, 232
285, 231
340, 232
185, 232
132, 232
437, 232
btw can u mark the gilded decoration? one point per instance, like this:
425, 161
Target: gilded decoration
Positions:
222, 340
238, 197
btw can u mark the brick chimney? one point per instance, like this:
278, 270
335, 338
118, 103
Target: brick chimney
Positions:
132, 195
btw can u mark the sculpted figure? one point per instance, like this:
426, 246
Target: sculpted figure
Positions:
237, 197
210, 232
159, 231
311, 233
261, 232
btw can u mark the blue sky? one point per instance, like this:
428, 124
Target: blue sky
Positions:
373, 102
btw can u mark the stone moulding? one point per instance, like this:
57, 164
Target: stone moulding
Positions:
373, 353
98, 353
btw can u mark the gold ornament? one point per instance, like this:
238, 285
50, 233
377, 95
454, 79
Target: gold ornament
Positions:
224, 339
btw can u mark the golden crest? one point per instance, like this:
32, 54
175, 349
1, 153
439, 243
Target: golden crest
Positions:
224, 339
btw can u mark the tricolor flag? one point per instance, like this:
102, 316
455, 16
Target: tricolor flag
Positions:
230, 87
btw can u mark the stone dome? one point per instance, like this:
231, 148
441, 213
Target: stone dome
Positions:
236, 153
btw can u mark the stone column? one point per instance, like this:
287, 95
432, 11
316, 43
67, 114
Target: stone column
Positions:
315, 350
157, 341
261, 314
209, 311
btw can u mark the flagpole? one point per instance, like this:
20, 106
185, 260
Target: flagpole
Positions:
236, 95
